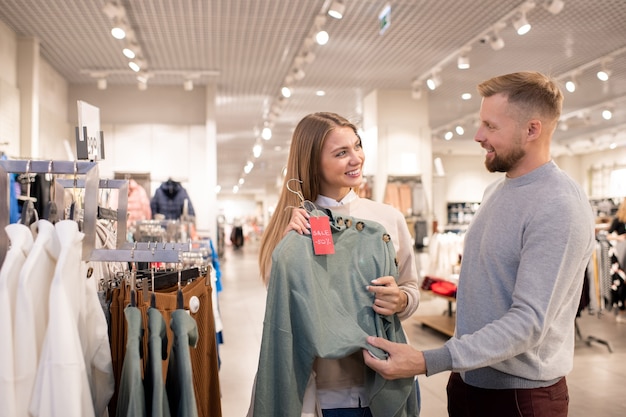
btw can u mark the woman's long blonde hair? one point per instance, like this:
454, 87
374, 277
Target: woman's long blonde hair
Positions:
303, 175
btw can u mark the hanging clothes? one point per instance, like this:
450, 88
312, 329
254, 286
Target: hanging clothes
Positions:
131, 400
179, 383
169, 200
75, 355
21, 239
204, 362
31, 312
157, 404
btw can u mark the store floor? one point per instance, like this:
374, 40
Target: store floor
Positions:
597, 385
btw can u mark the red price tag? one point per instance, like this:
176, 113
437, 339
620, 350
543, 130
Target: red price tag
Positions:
322, 236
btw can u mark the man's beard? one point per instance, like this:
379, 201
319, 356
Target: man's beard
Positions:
506, 162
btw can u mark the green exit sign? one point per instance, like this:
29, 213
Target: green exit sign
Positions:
384, 19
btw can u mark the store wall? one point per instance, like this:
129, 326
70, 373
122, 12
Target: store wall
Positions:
161, 130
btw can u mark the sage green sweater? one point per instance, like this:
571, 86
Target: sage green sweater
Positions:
318, 306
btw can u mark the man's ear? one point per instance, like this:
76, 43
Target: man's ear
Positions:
533, 129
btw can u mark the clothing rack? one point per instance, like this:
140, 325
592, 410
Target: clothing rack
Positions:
87, 169
122, 208
169, 252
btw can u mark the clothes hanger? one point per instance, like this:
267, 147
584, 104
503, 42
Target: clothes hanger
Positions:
29, 213
304, 203
51, 212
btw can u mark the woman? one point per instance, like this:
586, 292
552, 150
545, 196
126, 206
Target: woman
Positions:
326, 159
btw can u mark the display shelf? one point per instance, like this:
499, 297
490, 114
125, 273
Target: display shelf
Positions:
444, 322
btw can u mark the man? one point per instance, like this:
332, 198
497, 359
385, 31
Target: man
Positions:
524, 260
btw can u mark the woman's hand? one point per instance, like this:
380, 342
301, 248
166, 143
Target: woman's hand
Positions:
299, 222
390, 299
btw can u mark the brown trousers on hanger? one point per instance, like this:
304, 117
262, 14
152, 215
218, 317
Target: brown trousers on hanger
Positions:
204, 359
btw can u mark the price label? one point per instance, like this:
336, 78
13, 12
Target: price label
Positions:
322, 236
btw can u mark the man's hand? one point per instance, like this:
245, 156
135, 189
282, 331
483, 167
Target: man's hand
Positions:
404, 361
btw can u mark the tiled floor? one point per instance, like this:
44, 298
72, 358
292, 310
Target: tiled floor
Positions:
597, 384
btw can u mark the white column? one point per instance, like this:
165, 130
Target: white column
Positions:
28, 63
211, 162
397, 139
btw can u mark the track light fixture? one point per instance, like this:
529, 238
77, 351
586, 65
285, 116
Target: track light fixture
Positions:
521, 24
554, 6
495, 40
604, 73
102, 84
188, 85
336, 9
463, 61
434, 80
322, 37
570, 85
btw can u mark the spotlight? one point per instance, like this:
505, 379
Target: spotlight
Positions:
459, 130
298, 74
463, 61
521, 24
142, 86
435, 79
448, 135
322, 37
607, 114
118, 32
266, 133
604, 73
570, 85
496, 42
554, 6
336, 9
102, 84
188, 85
286, 92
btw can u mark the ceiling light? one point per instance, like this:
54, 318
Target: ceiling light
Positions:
286, 92
241, 181
463, 61
607, 114
604, 73
570, 85
448, 135
235, 189
298, 74
496, 42
435, 79
133, 65
320, 93
188, 85
142, 85
459, 130
118, 32
266, 133
102, 84
337, 9
248, 167
129, 53
466, 96
521, 24
322, 37
554, 6
257, 149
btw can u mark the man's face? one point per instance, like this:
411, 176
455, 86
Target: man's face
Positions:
500, 135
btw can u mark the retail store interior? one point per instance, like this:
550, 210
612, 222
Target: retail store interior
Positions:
199, 100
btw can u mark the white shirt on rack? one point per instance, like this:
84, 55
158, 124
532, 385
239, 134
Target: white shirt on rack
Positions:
21, 239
